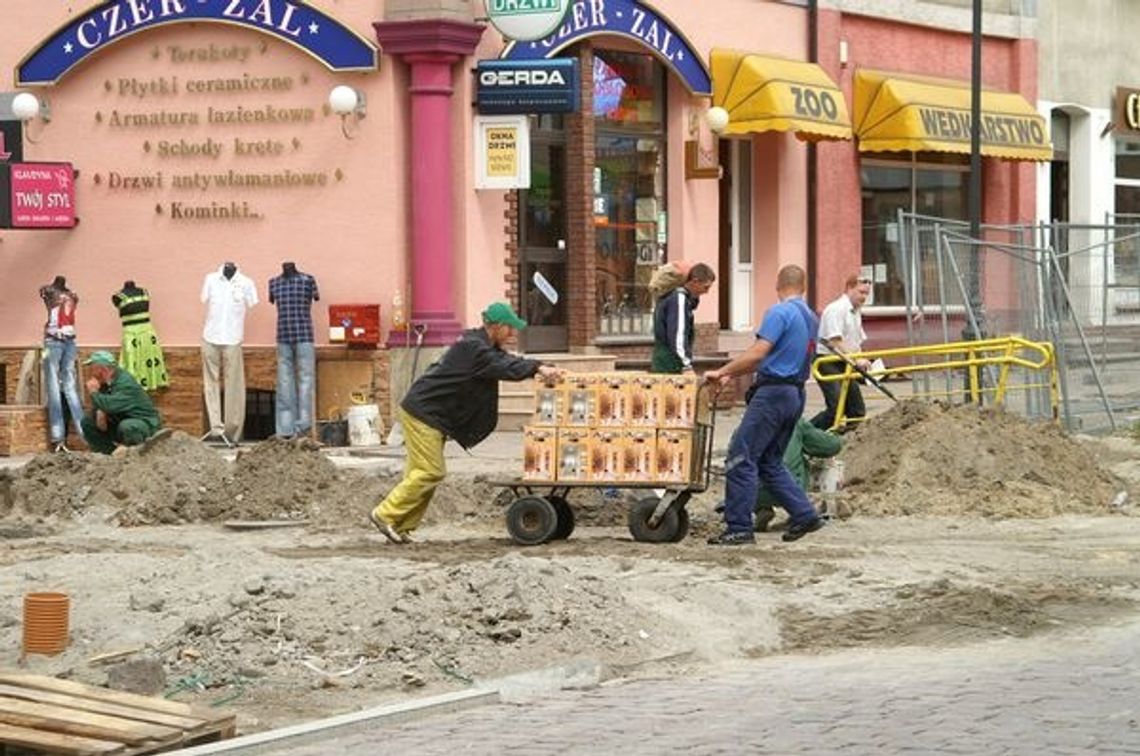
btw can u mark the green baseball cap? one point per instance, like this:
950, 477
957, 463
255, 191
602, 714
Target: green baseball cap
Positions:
101, 358
501, 312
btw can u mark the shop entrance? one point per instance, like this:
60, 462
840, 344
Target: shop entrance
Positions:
542, 239
735, 280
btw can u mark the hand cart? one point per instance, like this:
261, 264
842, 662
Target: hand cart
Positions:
541, 511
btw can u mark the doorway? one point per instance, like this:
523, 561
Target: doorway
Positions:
542, 240
735, 279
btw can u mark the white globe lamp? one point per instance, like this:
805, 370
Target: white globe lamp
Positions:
25, 106
717, 119
343, 100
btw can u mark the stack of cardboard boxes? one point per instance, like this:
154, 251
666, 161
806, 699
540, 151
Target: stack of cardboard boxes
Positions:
614, 428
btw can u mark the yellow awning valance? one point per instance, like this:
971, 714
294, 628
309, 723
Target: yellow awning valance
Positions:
909, 113
774, 94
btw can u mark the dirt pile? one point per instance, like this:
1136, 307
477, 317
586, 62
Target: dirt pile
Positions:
177, 479
936, 459
165, 481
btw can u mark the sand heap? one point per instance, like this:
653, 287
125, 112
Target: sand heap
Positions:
178, 479
936, 459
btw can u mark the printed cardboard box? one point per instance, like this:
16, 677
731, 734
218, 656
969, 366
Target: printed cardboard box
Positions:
612, 400
643, 400
580, 403
540, 453
678, 400
639, 447
573, 454
547, 407
674, 456
605, 454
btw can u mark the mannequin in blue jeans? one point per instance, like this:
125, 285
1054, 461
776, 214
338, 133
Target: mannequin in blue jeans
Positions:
59, 360
294, 293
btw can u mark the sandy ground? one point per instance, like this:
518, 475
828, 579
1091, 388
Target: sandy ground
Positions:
295, 623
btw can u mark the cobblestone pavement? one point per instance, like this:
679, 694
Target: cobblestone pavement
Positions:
1075, 693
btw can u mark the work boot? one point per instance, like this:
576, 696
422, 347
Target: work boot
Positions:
387, 530
764, 518
733, 538
798, 531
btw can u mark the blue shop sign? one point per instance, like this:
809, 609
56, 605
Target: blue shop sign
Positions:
625, 18
517, 88
296, 23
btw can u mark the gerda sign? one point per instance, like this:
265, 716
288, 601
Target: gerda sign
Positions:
296, 23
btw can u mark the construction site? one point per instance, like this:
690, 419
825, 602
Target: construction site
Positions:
212, 592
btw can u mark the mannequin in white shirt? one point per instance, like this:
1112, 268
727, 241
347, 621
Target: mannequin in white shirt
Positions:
228, 295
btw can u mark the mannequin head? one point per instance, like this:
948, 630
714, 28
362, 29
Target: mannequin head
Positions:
289, 269
129, 285
59, 282
228, 270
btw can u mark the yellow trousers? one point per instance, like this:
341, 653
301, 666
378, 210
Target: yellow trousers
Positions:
404, 506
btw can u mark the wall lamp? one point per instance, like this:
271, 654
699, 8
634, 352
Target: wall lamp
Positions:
717, 118
347, 101
26, 106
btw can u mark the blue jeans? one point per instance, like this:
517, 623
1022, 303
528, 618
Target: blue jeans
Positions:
756, 455
59, 374
296, 372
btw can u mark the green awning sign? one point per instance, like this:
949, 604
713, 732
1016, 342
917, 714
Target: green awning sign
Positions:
526, 19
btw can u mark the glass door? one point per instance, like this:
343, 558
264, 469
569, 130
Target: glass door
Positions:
542, 240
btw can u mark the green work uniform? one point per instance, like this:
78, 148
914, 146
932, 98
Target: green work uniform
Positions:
131, 415
806, 441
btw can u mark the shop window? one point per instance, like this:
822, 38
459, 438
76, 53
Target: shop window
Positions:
935, 186
629, 188
1124, 274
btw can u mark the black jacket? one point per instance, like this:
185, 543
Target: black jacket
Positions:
673, 324
459, 395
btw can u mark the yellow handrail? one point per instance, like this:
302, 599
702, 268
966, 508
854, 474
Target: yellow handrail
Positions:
1004, 353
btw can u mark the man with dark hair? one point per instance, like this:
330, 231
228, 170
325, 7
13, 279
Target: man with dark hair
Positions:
841, 332
122, 413
782, 356
673, 322
457, 397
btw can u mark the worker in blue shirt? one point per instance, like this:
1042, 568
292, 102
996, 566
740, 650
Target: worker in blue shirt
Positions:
781, 356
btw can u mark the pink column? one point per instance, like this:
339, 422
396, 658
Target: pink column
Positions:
431, 49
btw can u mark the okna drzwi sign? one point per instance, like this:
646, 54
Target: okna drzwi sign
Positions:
526, 19
37, 195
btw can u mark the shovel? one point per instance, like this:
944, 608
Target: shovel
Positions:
874, 382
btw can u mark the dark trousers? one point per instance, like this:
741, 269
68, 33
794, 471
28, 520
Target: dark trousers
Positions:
756, 456
854, 407
119, 432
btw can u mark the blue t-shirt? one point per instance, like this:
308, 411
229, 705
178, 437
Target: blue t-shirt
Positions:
790, 327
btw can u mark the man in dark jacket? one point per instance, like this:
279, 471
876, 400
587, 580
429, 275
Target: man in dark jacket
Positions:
122, 413
673, 322
457, 397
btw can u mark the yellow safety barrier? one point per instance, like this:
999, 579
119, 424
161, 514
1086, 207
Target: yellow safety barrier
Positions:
1003, 354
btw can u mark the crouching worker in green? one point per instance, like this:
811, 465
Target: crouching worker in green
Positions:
121, 411
806, 441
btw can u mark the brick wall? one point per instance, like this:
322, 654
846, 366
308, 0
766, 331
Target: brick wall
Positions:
580, 273
181, 404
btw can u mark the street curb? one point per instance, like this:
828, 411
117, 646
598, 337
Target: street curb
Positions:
320, 730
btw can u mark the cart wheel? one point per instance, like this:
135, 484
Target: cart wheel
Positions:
531, 520
682, 523
667, 531
565, 518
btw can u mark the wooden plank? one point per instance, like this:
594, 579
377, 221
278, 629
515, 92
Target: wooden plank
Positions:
53, 742
99, 707
56, 685
84, 724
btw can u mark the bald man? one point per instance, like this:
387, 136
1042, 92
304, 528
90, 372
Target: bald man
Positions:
781, 356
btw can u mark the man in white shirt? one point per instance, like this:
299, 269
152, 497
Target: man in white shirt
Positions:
841, 329
227, 295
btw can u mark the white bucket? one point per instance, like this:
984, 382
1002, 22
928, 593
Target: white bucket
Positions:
365, 427
830, 477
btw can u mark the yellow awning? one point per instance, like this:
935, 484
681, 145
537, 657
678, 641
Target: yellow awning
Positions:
774, 94
909, 113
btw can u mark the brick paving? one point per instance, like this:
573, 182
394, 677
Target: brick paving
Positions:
1064, 694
